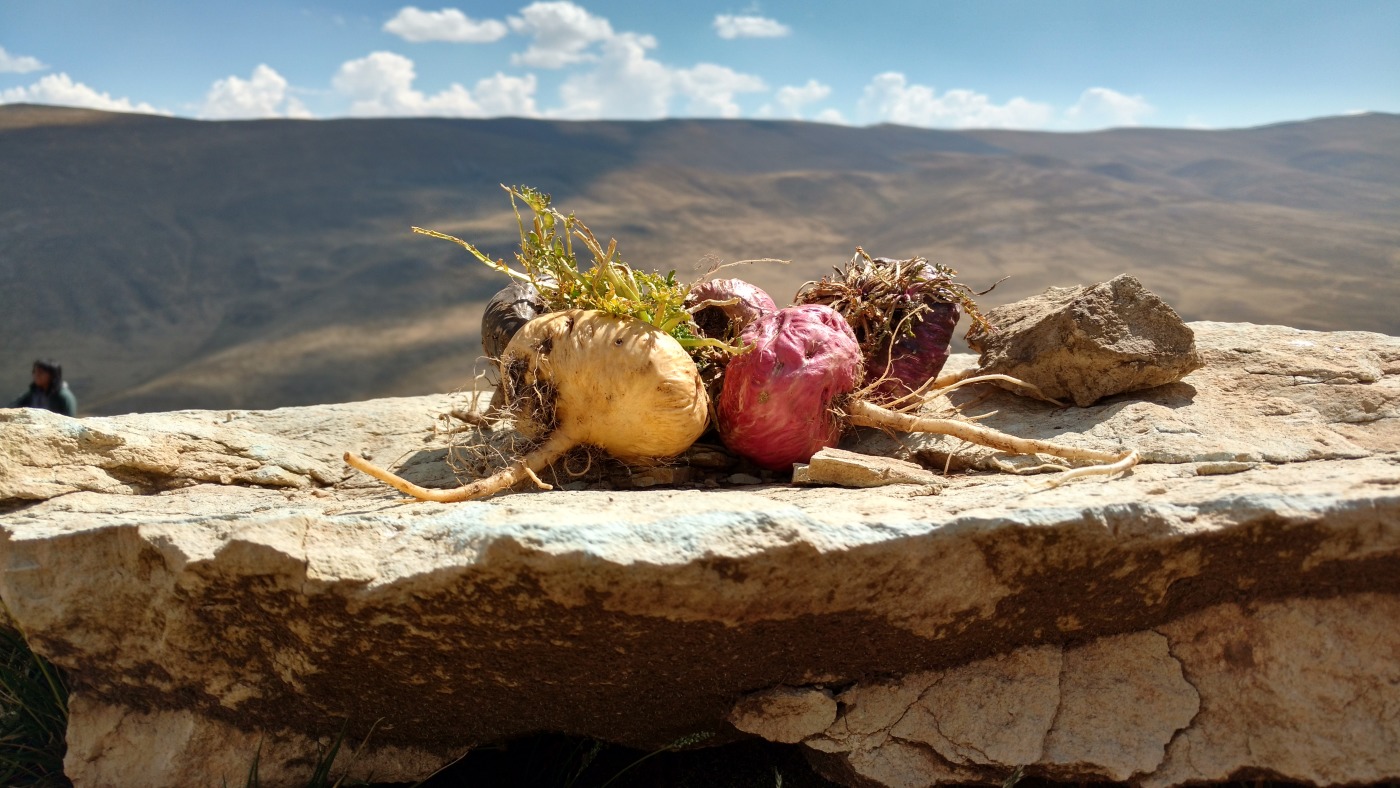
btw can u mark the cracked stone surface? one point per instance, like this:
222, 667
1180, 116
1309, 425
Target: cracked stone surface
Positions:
1106, 710
1311, 687
1122, 699
1225, 611
1300, 690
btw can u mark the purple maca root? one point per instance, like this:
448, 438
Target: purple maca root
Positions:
723, 308
906, 361
776, 404
903, 313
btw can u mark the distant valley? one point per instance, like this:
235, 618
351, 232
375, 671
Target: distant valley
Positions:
175, 264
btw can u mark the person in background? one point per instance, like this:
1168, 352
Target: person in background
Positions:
48, 391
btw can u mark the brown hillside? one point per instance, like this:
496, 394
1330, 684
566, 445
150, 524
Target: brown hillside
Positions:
173, 263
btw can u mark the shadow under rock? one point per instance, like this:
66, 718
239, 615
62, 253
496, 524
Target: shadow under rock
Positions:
1169, 395
994, 405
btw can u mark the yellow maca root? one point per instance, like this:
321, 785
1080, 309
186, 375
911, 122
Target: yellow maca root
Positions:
582, 377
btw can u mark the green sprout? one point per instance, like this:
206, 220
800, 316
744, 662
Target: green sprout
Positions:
612, 286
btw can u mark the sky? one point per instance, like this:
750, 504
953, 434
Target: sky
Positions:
1061, 65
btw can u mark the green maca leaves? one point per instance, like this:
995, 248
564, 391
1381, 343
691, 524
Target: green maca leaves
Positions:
550, 263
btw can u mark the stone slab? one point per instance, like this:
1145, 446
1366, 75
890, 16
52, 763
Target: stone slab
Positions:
210, 609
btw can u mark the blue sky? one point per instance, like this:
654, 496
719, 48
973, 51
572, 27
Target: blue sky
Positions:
1067, 65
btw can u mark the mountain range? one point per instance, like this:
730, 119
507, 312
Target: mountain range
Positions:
172, 263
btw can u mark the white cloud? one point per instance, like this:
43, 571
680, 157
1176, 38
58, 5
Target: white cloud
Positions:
504, 95
264, 95
624, 84
621, 79
62, 90
711, 89
830, 115
381, 84
731, 26
18, 64
614, 74
890, 98
1102, 107
790, 99
563, 33
449, 24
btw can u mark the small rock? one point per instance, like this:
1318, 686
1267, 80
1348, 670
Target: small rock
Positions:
651, 477
1090, 342
784, 714
274, 476
1223, 468
743, 478
849, 469
709, 458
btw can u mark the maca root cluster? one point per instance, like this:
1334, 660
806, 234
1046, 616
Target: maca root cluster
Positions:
638, 365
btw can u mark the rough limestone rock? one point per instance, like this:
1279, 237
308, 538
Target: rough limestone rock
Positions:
1082, 344
1224, 611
